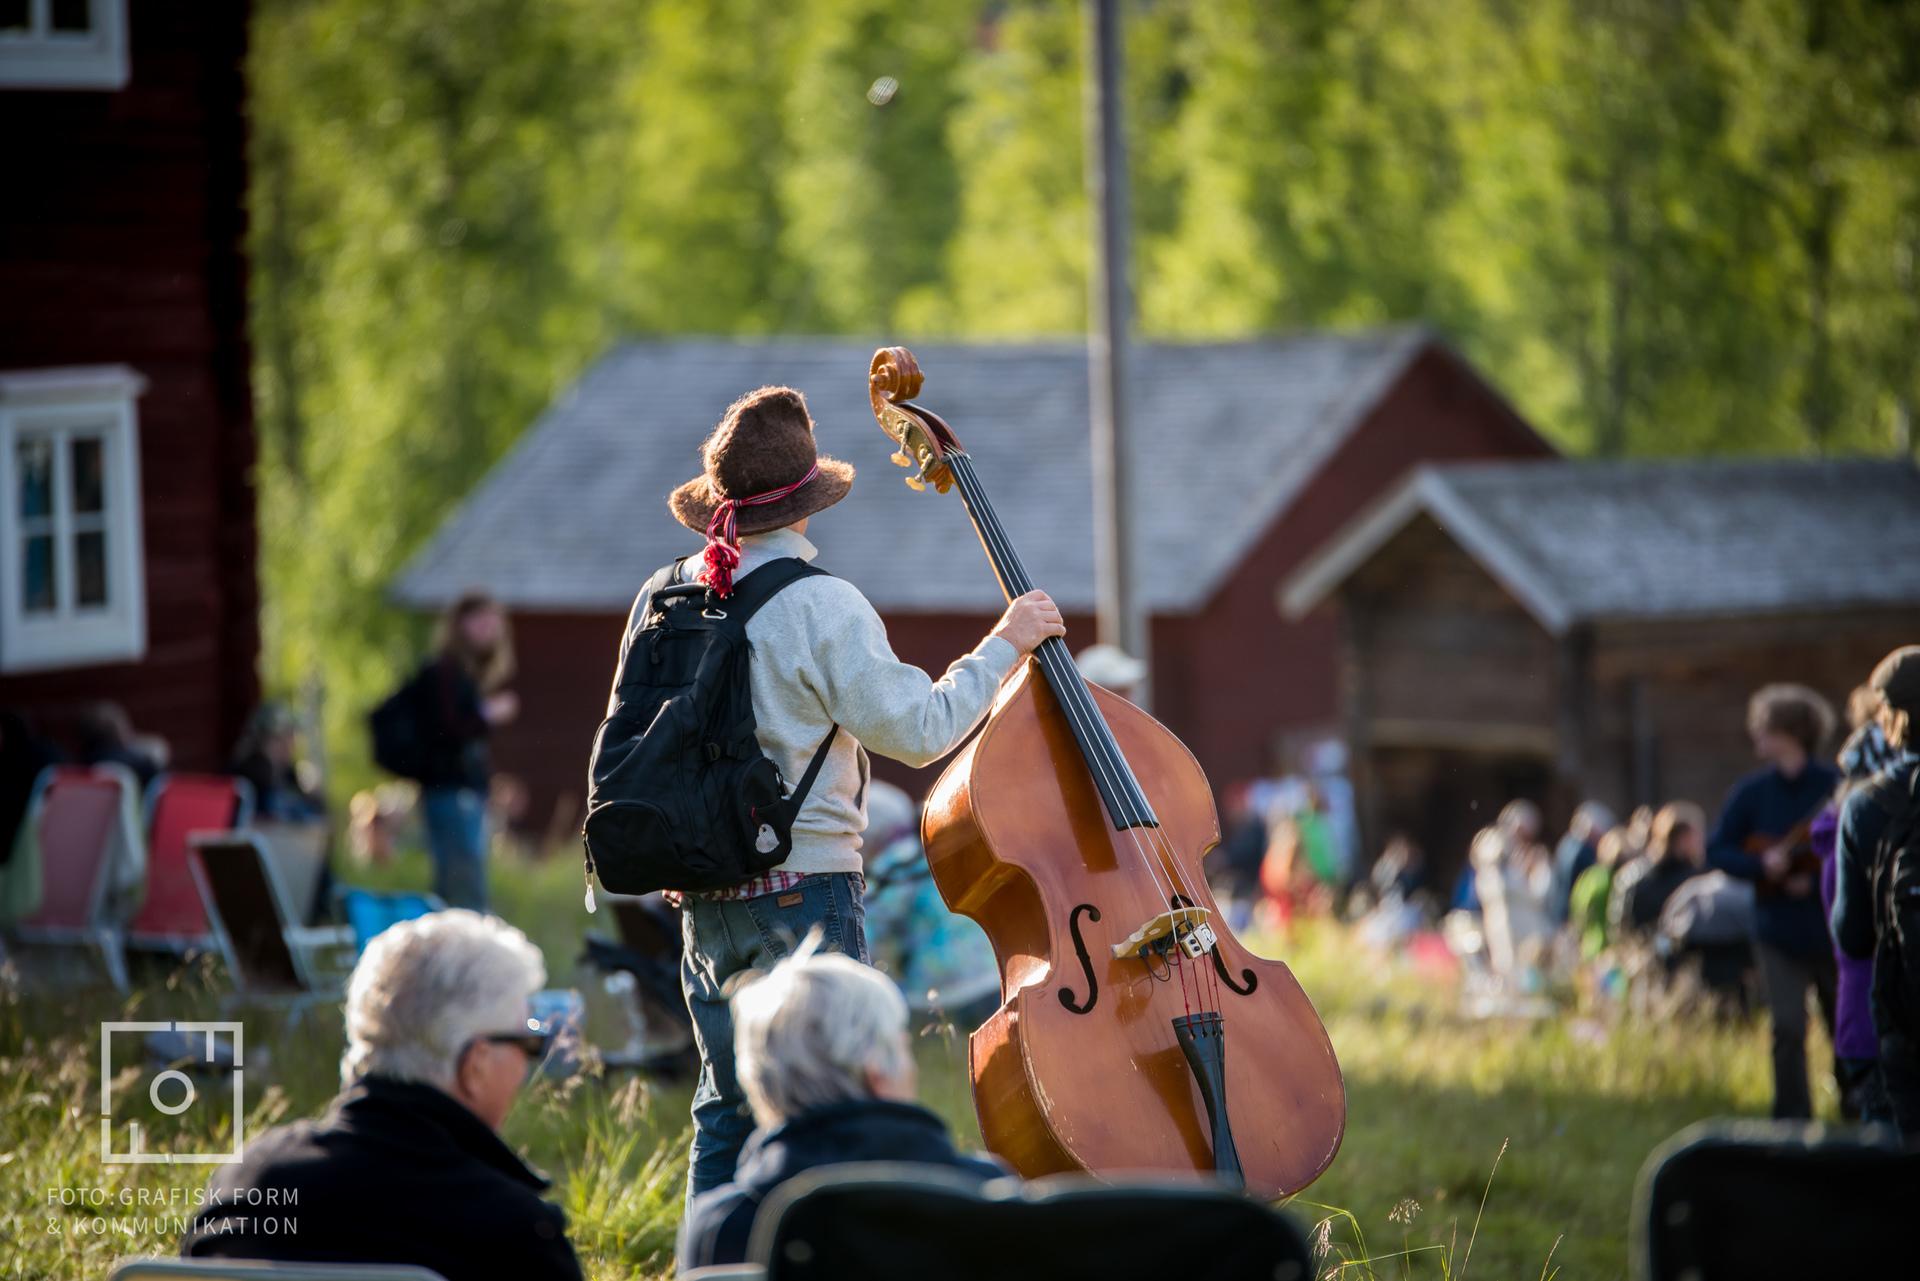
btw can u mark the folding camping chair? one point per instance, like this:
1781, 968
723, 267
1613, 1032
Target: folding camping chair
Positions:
1757, 1200
82, 818
853, 1222
641, 973
173, 918
250, 1270
270, 957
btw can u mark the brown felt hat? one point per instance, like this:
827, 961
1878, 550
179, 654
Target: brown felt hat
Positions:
764, 442
1897, 679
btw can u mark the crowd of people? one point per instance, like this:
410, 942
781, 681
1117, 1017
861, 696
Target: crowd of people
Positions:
1803, 890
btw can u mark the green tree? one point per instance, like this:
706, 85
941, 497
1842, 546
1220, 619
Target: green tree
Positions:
867, 187
415, 301
699, 102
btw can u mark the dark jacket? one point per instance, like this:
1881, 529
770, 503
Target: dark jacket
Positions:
1864, 818
719, 1221
394, 1173
1767, 803
455, 728
1644, 889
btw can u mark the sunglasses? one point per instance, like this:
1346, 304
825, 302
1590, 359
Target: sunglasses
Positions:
532, 1041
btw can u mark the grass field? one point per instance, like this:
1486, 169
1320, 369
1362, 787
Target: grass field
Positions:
1435, 1100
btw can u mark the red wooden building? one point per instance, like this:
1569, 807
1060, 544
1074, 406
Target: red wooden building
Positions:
1246, 455
127, 566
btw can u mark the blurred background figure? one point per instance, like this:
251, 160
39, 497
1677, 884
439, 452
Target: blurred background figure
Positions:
450, 706
286, 786
1402, 903
1578, 850
1401, 870
23, 754
1300, 871
1761, 837
289, 807
1856, 1047
1592, 892
1112, 668
1233, 870
1513, 874
942, 961
1674, 855
107, 736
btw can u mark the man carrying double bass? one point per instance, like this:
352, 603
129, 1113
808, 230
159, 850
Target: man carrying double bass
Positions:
824, 682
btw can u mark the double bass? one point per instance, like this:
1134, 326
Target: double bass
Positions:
1072, 828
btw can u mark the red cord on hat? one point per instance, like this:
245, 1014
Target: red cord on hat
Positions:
722, 556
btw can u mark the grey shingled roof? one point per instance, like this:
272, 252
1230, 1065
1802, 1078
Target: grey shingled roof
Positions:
1224, 435
1576, 541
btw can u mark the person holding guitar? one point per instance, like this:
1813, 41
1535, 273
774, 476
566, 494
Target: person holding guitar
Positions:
1762, 837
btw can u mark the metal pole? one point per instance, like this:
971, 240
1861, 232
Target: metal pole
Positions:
1109, 318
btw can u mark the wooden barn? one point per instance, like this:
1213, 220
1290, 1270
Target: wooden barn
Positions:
127, 567
1570, 630
1245, 455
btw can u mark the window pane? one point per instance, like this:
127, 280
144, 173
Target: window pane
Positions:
37, 575
90, 568
36, 477
15, 16
89, 476
72, 15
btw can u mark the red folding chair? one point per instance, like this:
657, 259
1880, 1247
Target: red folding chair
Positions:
82, 818
173, 917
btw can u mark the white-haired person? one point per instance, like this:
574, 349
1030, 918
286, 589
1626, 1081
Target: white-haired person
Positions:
407, 1165
821, 1048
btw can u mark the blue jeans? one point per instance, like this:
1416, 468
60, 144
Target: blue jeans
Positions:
729, 937
456, 819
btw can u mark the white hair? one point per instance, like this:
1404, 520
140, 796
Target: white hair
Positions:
808, 1033
425, 988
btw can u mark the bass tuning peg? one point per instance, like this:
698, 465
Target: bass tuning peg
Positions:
901, 459
915, 484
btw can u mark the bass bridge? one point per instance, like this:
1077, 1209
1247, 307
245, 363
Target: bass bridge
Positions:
1186, 928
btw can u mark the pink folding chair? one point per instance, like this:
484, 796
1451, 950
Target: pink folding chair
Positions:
173, 917
81, 815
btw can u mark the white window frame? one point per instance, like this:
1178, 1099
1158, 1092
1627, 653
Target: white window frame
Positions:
90, 400
46, 59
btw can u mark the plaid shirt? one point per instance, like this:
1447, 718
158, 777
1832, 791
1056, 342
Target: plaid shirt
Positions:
774, 882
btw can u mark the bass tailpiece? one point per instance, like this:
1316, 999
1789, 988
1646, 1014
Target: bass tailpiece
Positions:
1203, 1039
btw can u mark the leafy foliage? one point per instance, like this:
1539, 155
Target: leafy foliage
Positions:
1659, 227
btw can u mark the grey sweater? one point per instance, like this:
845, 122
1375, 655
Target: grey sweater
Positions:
820, 658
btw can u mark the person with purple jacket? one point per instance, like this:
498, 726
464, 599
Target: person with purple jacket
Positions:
1856, 1046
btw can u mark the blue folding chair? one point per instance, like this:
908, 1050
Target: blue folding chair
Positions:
368, 912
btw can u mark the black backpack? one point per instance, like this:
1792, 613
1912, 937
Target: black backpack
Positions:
679, 794
1896, 902
400, 730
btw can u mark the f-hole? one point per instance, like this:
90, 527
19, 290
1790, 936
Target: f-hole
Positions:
1251, 979
1086, 962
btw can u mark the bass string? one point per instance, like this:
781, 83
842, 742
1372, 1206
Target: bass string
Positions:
1001, 547
1078, 700
1106, 756
1076, 689
1116, 770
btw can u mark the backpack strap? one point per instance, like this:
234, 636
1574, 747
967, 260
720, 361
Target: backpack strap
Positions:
762, 584
749, 594
799, 794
